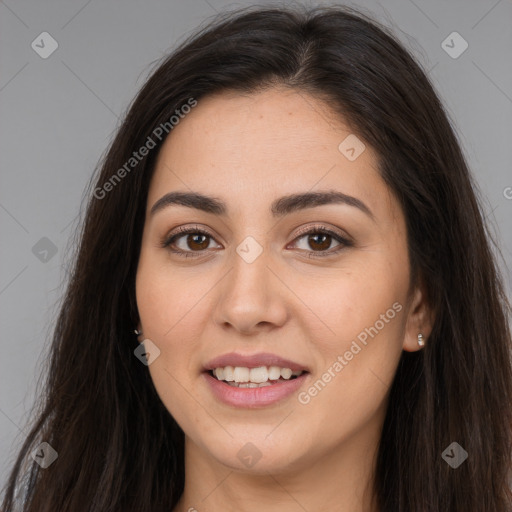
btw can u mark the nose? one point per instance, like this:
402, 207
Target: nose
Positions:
252, 298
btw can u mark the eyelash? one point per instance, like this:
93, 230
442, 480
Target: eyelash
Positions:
168, 241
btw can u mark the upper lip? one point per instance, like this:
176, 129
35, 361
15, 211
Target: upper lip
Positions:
253, 361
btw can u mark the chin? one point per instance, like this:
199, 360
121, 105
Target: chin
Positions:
257, 455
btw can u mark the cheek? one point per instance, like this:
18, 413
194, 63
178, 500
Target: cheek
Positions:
364, 310
173, 314
368, 293
168, 299
349, 391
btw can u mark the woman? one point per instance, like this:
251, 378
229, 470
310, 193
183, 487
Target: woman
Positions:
286, 220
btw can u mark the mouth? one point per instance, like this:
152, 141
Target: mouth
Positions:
259, 377
255, 386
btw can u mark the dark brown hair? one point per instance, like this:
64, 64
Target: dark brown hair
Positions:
118, 447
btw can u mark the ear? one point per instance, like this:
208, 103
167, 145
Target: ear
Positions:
420, 319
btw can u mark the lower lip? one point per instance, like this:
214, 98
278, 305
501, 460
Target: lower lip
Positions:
253, 397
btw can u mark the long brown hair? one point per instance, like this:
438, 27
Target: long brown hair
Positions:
118, 447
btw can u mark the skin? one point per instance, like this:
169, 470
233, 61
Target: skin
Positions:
249, 150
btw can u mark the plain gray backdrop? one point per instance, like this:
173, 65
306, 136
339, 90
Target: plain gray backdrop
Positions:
58, 115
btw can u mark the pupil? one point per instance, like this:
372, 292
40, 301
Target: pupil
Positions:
324, 237
203, 245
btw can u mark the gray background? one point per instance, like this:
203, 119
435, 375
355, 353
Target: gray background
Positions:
58, 115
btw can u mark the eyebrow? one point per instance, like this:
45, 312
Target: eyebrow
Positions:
279, 208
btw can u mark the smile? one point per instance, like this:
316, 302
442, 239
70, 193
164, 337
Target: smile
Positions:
254, 395
244, 377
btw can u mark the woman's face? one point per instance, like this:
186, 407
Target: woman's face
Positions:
257, 292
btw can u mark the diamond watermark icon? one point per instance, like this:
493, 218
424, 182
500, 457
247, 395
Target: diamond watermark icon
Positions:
44, 455
249, 249
351, 147
147, 352
454, 45
455, 455
44, 45
249, 455
44, 250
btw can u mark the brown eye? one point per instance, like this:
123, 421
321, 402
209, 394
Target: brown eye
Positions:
193, 242
188, 241
319, 239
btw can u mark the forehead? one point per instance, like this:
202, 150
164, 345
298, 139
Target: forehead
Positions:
251, 148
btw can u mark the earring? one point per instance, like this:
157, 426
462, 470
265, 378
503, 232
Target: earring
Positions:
138, 333
421, 342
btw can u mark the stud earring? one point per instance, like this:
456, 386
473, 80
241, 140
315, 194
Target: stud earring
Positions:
421, 342
138, 333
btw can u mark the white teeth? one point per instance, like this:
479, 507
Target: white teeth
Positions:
274, 372
286, 373
258, 375
241, 374
228, 374
253, 377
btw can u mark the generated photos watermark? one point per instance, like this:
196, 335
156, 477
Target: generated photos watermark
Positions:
304, 397
159, 133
